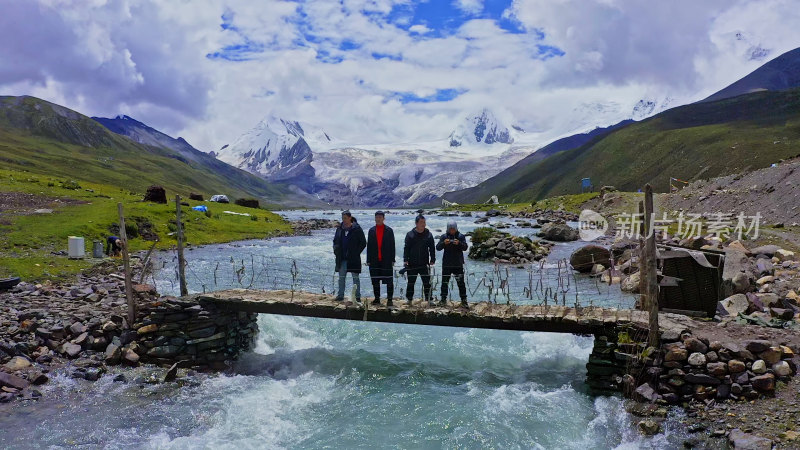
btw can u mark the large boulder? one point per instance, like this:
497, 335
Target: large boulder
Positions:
734, 305
559, 232
767, 250
196, 197
631, 283
584, 258
156, 194
739, 273
247, 202
741, 440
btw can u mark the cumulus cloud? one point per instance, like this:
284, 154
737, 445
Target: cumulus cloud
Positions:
381, 70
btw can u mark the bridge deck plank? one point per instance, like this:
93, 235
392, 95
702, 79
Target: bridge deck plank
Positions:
553, 318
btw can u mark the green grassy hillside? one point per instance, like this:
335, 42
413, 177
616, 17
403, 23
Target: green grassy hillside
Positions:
701, 140
49, 139
28, 239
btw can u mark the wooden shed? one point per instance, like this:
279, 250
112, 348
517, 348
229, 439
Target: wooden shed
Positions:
690, 280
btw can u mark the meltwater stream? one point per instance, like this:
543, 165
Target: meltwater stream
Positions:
316, 383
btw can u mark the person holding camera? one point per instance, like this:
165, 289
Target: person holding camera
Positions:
454, 245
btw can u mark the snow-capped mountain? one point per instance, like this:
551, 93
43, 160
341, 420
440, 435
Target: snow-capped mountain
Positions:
483, 127
276, 149
391, 175
375, 175
651, 106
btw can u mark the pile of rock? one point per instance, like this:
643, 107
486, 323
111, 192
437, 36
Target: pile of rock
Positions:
45, 327
696, 369
558, 232
198, 335
81, 329
504, 248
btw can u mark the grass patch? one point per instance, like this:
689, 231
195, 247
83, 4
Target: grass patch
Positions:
571, 203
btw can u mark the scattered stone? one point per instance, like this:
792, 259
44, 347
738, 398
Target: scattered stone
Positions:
758, 346
649, 427
697, 359
764, 383
745, 441
735, 304
759, 367
171, 374
782, 369
13, 381
695, 345
736, 366
17, 363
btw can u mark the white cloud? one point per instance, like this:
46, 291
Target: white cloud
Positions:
347, 67
469, 6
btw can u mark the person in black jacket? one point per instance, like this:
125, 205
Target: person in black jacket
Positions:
380, 258
419, 253
348, 243
454, 245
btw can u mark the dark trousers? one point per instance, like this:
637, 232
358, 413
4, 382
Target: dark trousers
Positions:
382, 274
424, 273
458, 274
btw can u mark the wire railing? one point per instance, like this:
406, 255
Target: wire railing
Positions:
539, 283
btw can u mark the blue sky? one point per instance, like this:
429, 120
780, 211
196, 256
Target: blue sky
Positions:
383, 71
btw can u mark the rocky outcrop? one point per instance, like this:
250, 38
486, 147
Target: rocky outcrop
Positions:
502, 247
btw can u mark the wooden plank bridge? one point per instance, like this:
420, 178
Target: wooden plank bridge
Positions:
551, 318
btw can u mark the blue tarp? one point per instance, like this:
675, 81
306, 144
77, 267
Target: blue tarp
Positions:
201, 208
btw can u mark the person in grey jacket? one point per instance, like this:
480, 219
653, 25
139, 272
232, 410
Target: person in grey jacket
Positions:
454, 245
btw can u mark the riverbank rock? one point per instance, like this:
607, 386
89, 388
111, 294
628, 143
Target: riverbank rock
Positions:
584, 258
631, 283
502, 247
558, 232
746, 441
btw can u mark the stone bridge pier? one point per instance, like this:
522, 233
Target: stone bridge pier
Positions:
194, 333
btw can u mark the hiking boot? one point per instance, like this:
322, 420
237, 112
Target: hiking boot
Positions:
442, 302
409, 302
464, 304
389, 303
339, 299
376, 302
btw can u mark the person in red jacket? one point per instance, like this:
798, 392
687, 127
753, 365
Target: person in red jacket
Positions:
380, 258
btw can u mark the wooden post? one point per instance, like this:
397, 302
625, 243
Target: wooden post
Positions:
642, 257
181, 261
651, 268
123, 235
